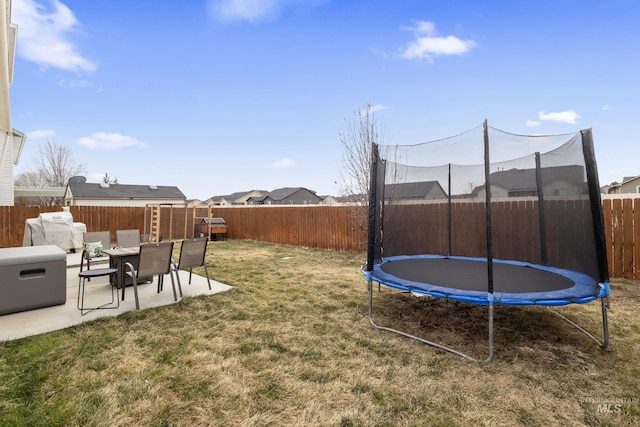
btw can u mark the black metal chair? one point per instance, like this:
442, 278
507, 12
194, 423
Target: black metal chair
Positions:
192, 254
86, 275
102, 237
154, 259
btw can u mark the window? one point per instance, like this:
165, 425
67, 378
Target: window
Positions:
522, 193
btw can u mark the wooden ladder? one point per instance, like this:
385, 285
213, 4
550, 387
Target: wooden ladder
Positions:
154, 224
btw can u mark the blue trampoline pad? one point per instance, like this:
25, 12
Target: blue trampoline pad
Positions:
466, 279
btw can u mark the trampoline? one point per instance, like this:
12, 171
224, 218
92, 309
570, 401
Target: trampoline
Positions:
464, 279
505, 220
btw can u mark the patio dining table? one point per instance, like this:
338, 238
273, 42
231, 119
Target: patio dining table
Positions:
118, 258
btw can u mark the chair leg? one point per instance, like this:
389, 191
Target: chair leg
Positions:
173, 285
135, 291
177, 271
206, 274
178, 280
81, 293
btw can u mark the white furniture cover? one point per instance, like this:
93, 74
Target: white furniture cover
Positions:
54, 228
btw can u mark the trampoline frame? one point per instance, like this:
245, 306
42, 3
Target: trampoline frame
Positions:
375, 248
605, 304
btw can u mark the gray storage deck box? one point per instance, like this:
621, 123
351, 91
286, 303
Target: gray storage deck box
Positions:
32, 277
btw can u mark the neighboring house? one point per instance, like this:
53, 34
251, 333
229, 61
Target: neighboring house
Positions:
329, 200
287, 196
11, 141
560, 181
425, 190
196, 203
81, 193
630, 184
235, 199
351, 199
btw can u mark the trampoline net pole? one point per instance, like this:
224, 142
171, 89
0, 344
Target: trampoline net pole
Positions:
373, 202
487, 173
487, 186
449, 206
541, 214
595, 203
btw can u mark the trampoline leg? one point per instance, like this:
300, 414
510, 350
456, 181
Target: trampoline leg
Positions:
490, 357
422, 340
605, 323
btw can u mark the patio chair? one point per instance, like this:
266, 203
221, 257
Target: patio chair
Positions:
154, 259
192, 254
86, 275
128, 238
91, 251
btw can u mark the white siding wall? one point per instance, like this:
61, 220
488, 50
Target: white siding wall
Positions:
6, 169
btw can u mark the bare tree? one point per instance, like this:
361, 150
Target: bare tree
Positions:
29, 179
356, 138
106, 179
56, 164
53, 169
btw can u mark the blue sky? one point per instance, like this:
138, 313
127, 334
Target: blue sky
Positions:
219, 96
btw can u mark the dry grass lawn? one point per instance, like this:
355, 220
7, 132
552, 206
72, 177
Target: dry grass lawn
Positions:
291, 345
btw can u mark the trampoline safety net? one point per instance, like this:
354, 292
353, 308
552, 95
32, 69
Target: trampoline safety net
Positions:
492, 194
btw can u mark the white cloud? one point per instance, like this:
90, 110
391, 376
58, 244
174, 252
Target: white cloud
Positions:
607, 107
281, 164
428, 44
569, 116
40, 134
377, 107
110, 141
44, 27
373, 108
533, 123
254, 10
73, 84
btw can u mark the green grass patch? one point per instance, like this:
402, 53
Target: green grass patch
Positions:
291, 344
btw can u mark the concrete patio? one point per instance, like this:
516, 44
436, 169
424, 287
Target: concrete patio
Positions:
98, 291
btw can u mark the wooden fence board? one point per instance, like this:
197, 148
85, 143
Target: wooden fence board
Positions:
627, 222
607, 207
616, 238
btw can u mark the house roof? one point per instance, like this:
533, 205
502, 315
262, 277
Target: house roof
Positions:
629, 178
525, 179
236, 196
86, 190
19, 140
283, 193
412, 190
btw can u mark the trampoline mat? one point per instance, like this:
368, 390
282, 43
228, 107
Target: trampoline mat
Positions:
471, 275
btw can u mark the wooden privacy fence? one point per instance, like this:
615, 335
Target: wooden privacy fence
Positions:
325, 227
